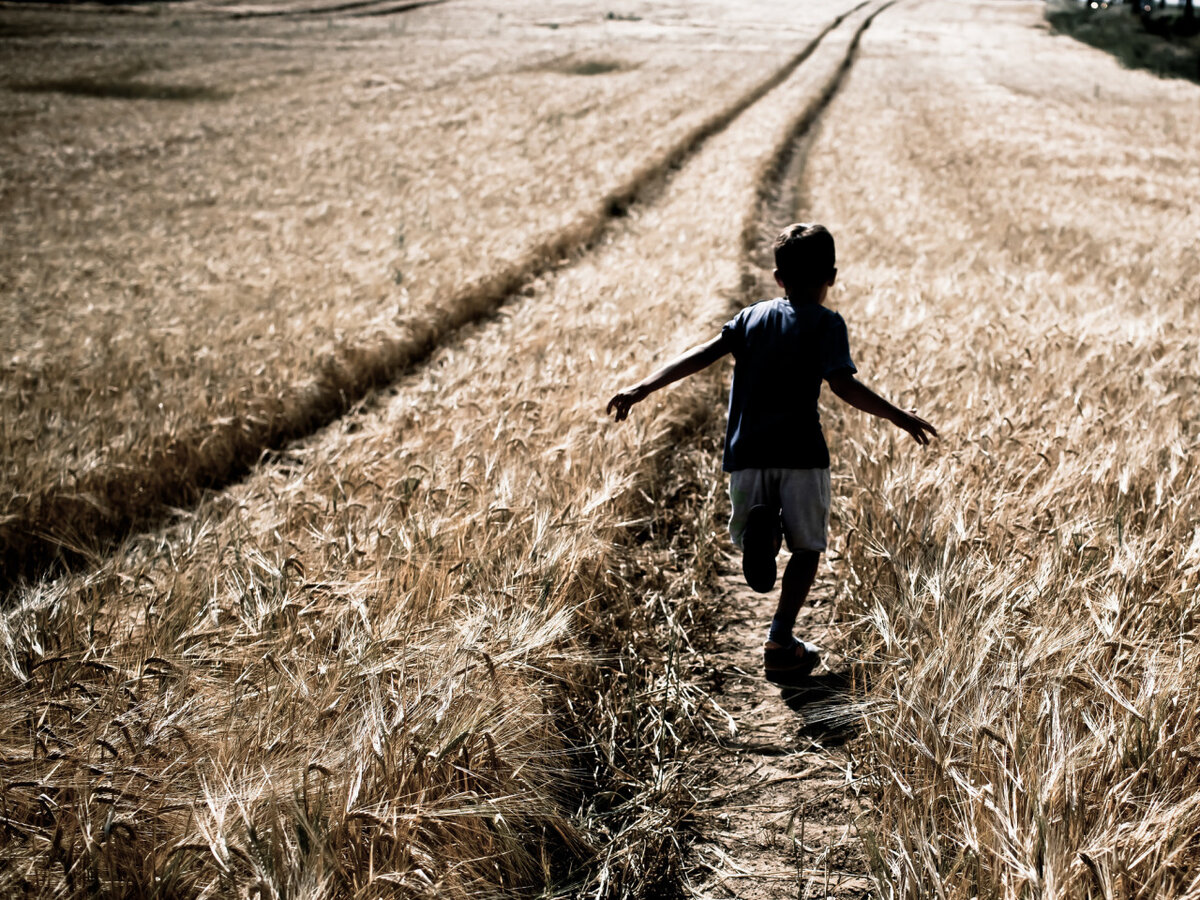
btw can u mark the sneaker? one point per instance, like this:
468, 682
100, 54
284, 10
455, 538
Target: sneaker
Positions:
760, 546
789, 665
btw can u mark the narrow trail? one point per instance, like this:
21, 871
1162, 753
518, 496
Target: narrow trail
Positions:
346, 8
778, 819
235, 9
225, 455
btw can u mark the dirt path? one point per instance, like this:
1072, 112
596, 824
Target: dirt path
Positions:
975, 167
778, 819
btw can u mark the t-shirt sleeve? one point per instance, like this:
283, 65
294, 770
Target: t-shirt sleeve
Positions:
835, 357
734, 333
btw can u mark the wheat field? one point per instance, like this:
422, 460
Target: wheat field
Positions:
440, 646
1023, 253
357, 671
190, 279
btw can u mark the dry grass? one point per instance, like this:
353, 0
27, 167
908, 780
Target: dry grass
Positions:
190, 282
1018, 221
438, 649
366, 670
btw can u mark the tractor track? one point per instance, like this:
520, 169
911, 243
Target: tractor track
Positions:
352, 8
115, 502
234, 10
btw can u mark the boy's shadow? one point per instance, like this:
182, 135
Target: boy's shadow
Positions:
823, 699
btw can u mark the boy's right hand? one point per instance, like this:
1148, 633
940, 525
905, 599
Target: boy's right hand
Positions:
624, 399
916, 426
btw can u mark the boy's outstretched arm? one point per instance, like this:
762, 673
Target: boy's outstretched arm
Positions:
687, 363
859, 395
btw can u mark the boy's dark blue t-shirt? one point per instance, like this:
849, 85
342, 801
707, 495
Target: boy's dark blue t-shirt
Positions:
781, 354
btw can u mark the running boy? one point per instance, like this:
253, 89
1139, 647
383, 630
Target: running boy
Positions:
775, 451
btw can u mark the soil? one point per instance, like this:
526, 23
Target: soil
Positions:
778, 820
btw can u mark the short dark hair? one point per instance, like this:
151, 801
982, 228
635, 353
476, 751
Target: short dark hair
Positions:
804, 254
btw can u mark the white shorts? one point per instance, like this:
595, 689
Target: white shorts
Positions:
801, 495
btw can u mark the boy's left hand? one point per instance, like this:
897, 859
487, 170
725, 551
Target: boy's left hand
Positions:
916, 426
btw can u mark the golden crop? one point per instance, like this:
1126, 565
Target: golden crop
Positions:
434, 647
349, 671
192, 280
1020, 246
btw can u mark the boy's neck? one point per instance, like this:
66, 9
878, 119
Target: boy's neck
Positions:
806, 298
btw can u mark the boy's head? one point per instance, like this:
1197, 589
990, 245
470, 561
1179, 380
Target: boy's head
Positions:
805, 261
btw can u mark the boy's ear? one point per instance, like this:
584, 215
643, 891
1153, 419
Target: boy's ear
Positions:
832, 278
778, 280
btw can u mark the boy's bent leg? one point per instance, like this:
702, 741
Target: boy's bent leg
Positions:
754, 524
760, 546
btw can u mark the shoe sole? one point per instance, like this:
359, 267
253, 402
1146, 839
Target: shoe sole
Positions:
759, 548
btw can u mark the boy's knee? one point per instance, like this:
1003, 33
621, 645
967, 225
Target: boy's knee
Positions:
805, 552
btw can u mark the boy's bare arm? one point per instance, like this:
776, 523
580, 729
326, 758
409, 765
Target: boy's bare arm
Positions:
859, 395
687, 363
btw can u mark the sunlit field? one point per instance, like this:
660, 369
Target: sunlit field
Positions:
308, 326
219, 234
401, 655
1021, 241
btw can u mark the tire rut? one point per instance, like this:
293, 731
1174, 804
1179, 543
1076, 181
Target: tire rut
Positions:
236, 10
352, 8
